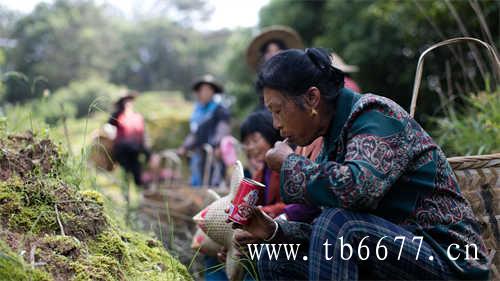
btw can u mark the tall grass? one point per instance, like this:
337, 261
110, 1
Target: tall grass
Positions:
471, 129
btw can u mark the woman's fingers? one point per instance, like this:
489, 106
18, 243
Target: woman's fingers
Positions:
241, 238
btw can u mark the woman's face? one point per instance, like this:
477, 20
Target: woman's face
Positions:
129, 105
205, 93
256, 146
293, 122
271, 50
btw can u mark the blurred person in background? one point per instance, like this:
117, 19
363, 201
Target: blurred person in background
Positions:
209, 124
129, 142
270, 41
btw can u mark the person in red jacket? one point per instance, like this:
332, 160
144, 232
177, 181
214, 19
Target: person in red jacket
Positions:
129, 142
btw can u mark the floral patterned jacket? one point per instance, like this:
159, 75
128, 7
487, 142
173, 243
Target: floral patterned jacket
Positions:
377, 159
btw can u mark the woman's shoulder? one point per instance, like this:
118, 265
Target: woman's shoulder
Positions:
374, 103
376, 115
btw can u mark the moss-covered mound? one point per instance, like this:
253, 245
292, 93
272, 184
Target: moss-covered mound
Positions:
50, 230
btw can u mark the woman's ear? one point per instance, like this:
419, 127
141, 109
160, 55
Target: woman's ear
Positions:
312, 98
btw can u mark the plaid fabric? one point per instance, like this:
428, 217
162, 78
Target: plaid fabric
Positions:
282, 269
353, 226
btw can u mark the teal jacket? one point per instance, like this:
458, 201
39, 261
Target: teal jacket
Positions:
377, 159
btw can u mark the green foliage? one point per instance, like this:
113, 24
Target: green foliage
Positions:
17, 87
239, 78
306, 17
167, 118
82, 98
384, 38
159, 54
77, 39
64, 41
79, 99
473, 130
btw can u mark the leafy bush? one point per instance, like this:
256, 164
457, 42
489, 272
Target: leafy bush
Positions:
84, 97
167, 118
19, 89
474, 129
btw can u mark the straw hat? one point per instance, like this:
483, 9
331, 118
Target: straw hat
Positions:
287, 35
339, 63
210, 80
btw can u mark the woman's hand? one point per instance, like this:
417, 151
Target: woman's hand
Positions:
277, 155
242, 238
261, 226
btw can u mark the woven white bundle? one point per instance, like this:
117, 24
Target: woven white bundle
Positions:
212, 220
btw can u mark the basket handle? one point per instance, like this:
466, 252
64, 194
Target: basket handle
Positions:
420, 64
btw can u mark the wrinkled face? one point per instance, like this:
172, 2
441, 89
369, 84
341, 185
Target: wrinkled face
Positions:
271, 50
292, 121
205, 93
256, 146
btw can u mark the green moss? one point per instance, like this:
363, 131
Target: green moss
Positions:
27, 206
10, 202
13, 268
99, 268
109, 243
141, 257
93, 247
152, 262
92, 195
35, 220
63, 245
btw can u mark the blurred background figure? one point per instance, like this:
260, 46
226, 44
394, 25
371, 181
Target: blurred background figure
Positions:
209, 123
129, 142
271, 41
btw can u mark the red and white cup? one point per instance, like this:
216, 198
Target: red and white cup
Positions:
249, 193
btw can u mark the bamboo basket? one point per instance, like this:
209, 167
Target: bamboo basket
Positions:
478, 176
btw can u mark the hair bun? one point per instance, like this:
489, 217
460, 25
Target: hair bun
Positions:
322, 59
319, 57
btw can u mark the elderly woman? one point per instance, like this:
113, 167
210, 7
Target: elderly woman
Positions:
385, 186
